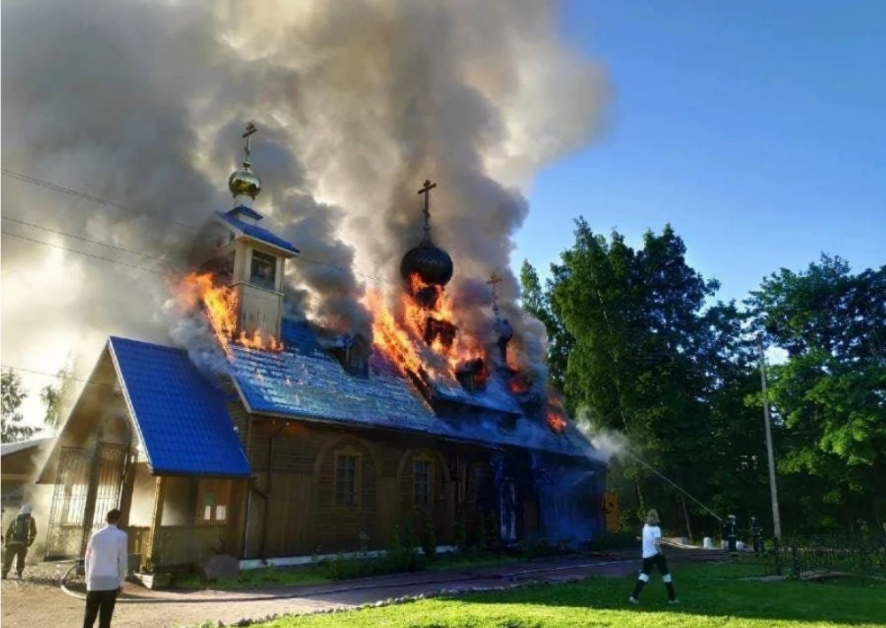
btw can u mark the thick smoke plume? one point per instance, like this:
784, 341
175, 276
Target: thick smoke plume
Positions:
357, 102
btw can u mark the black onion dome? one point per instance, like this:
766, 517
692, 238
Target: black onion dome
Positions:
432, 264
504, 328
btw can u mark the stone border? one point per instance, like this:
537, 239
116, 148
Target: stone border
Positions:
405, 599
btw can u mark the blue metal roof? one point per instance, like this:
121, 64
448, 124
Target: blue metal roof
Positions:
246, 211
256, 232
180, 416
303, 381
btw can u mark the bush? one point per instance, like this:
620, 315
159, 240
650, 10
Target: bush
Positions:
482, 545
461, 535
540, 548
429, 543
615, 540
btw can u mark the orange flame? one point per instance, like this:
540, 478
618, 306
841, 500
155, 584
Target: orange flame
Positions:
397, 335
220, 305
556, 422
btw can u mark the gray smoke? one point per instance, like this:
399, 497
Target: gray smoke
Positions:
357, 103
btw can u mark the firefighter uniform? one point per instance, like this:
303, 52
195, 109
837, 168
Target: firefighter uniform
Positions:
19, 537
730, 533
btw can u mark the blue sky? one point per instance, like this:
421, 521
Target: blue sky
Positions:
757, 128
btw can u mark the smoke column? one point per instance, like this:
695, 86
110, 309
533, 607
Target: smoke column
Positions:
357, 102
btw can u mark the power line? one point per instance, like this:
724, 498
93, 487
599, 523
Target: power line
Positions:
98, 257
104, 202
89, 197
81, 238
21, 369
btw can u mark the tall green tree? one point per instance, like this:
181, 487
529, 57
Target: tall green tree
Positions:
830, 395
536, 301
640, 358
13, 396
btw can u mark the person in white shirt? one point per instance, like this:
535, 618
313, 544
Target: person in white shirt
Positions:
652, 557
106, 565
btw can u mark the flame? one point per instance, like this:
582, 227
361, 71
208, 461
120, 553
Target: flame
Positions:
556, 422
220, 305
397, 335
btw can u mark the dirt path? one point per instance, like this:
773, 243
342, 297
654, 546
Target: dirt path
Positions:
38, 601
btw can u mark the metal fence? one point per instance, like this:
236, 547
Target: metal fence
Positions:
796, 557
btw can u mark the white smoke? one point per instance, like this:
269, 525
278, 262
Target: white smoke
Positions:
607, 443
357, 102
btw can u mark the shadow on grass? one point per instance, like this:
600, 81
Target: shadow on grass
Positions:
714, 591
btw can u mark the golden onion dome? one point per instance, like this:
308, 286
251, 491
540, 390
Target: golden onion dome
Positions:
244, 182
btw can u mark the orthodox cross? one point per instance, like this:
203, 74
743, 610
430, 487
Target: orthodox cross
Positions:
493, 283
250, 130
426, 190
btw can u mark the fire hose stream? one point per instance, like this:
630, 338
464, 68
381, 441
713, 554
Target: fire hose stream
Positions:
672, 483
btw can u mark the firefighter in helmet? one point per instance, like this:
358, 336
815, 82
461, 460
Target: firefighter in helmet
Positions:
730, 533
19, 537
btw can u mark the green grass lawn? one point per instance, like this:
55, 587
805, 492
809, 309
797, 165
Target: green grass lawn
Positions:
710, 595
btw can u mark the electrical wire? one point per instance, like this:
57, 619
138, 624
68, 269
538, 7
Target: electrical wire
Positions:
105, 202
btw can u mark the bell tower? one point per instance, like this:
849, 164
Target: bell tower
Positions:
245, 257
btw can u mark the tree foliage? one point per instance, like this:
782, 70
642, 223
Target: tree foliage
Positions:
831, 393
640, 346
57, 397
536, 301
12, 398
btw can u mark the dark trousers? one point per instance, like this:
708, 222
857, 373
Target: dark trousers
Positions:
101, 604
659, 562
758, 545
731, 543
17, 552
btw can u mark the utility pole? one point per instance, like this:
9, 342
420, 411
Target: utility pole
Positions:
773, 489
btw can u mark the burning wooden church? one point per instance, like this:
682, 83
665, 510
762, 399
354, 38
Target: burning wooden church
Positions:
302, 443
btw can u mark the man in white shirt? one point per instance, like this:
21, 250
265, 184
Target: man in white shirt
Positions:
652, 557
106, 565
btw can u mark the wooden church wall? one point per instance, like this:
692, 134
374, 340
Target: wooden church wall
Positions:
301, 514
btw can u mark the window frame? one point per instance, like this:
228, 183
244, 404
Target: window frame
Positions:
423, 458
270, 257
220, 490
348, 452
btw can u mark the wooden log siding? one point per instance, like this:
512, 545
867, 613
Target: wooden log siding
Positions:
439, 511
301, 511
186, 545
338, 527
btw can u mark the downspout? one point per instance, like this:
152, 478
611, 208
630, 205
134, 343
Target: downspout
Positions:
264, 538
249, 488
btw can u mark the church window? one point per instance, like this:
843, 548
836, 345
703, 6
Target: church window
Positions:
421, 477
264, 270
347, 478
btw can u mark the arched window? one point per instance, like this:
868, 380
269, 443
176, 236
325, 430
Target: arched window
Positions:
422, 481
348, 471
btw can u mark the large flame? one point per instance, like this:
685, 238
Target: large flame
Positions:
220, 305
396, 331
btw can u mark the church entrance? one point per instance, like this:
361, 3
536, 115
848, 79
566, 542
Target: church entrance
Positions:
86, 487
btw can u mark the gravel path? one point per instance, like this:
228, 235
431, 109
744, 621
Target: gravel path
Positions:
38, 601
